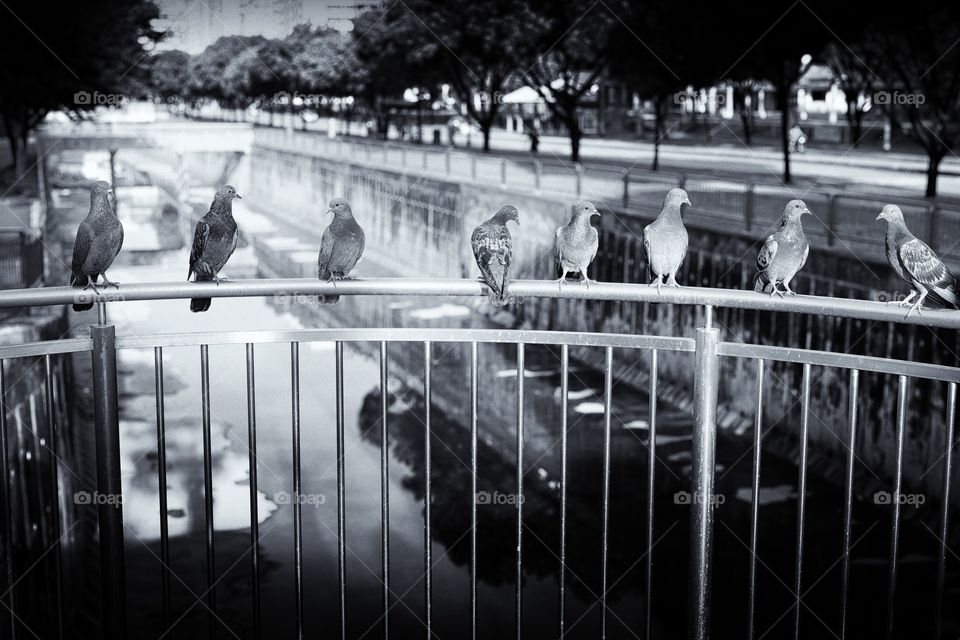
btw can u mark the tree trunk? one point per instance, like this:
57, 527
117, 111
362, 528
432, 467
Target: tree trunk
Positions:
745, 122
657, 128
573, 126
783, 99
16, 129
933, 172
485, 130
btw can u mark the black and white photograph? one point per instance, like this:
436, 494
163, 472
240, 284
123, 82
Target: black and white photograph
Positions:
479, 319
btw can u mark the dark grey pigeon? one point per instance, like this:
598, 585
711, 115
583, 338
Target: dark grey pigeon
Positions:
493, 250
214, 240
99, 238
915, 262
784, 253
577, 243
341, 246
665, 240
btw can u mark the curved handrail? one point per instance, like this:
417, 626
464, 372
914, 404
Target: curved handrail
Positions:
599, 291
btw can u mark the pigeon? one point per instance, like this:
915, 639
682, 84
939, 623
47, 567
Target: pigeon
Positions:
214, 240
784, 253
99, 238
577, 243
341, 246
665, 240
493, 250
915, 262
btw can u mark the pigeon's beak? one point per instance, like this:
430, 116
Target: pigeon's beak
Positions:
686, 201
237, 196
330, 211
806, 211
879, 217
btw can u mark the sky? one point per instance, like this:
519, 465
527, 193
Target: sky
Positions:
197, 23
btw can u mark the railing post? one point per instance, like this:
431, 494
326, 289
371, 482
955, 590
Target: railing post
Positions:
446, 160
424, 158
537, 173
110, 503
748, 208
706, 378
578, 170
473, 166
503, 171
682, 181
832, 220
626, 189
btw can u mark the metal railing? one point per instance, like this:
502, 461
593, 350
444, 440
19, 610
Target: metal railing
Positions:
21, 259
706, 349
847, 220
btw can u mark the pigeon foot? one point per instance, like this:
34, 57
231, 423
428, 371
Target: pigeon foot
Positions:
108, 283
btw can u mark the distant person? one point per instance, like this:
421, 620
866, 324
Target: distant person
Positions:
798, 139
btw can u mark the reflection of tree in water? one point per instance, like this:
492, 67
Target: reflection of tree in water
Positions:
496, 524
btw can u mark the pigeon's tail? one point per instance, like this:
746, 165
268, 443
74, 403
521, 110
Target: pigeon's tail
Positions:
199, 304
948, 294
80, 280
760, 283
497, 298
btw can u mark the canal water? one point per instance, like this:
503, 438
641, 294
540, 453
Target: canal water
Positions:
450, 543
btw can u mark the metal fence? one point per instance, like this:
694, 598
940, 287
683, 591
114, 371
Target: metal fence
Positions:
706, 351
21, 259
845, 221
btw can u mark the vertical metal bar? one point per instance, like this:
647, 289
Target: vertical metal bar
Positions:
755, 499
341, 496
564, 400
384, 490
7, 508
55, 488
607, 406
297, 506
110, 513
208, 487
945, 508
848, 497
254, 511
651, 475
474, 407
162, 484
521, 367
427, 497
895, 501
706, 387
801, 497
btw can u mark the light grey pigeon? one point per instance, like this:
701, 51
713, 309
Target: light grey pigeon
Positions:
665, 240
214, 240
784, 253
493, 250
99, 238
577, 243
341, 246
915, 262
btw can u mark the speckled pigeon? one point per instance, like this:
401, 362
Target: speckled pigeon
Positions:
214, 240
577, 243
784, 253
915, 262
665, 240
493, 250
341, 246
99, 238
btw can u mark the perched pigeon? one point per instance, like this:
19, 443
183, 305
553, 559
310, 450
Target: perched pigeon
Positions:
784, 253
340, 247
577, 243
493, 250
665, 240
99, 238
915, 262
214, 240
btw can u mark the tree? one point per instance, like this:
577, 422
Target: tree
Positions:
74, 57
920, 63
206, 77
472, 42
563, 54
165, 77
857, 81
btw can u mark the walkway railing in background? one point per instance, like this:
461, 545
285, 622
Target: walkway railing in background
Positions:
21, 259
847, 221
706, 350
